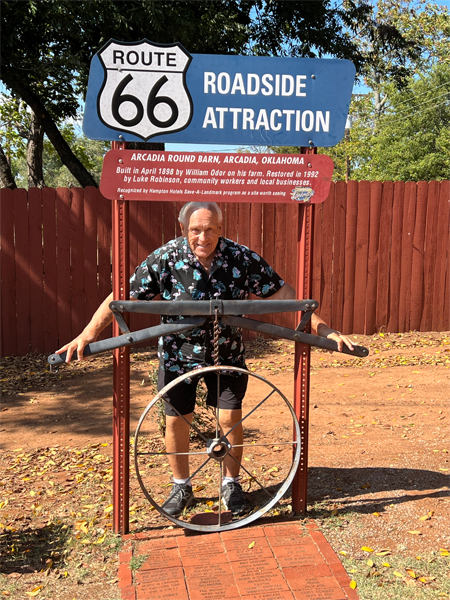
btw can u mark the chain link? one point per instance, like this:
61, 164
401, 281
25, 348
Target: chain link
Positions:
216, 337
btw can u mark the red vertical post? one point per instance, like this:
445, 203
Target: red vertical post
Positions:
121, 368
303, 352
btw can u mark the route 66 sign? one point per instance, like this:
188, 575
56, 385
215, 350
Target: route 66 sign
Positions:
144, 89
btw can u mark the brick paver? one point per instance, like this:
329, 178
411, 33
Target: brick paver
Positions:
283, 561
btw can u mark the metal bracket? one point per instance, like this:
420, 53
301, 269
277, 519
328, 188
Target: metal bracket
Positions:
227, 309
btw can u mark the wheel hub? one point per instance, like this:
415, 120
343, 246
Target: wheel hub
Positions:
218, 448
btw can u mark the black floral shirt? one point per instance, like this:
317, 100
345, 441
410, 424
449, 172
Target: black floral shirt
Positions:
174, 272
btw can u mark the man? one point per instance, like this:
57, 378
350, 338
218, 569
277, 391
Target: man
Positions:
201, 265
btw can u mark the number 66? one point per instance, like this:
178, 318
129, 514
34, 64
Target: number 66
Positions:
152, 102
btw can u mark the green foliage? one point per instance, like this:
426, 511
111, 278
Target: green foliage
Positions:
425, 23
410, 140
14, 125
90, 152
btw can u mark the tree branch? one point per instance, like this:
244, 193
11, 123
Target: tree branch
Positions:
6, 178
68, 158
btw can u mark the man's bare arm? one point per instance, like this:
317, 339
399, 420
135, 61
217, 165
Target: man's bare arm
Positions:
318, 325
101, 319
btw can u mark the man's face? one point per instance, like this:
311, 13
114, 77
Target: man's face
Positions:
203, 233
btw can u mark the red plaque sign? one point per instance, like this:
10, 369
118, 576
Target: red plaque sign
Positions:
216, 177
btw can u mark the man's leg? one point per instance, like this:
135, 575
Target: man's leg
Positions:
227, 420
177, 440
181, 398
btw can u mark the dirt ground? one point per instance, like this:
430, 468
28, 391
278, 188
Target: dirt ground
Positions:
378, 459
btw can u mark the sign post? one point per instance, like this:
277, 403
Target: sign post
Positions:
142, 90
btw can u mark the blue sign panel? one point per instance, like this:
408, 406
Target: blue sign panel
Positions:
144, 91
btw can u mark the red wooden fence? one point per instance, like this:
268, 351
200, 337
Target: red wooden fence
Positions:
381, 256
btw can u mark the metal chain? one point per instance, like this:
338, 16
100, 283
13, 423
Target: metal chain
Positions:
216, 337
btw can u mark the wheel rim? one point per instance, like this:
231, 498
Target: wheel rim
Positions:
266, 473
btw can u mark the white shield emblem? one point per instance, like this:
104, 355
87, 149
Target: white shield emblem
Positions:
144, 91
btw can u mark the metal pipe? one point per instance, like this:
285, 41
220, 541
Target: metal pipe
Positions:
130, 339
209, 307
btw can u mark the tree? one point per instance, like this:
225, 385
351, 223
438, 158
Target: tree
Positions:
411, 140
47, 45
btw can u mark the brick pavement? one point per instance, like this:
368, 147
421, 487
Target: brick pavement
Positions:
284, 561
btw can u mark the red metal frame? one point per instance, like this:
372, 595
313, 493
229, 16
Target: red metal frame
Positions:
121, 373
121, 368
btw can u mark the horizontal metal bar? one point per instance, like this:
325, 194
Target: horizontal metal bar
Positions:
295, 336
208, 307
130, 339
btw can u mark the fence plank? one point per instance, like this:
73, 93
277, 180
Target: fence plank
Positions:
327, 256
104, 232
409, 215
337, 295
63, 308
316, 275
280, 258
362, 249
350, 256
256, 227
445, 188
156, 225
134, 234
77, 241
376, 188
255, 241
384, 246
232, 215
170, 231
417, 267
7, 264
291, 252
429, 255
92, 298
396, 256
50, 268
268, 240
19, 206
36, 269
440, 320
244, 224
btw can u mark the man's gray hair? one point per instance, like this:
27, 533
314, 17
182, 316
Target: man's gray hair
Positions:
191, 207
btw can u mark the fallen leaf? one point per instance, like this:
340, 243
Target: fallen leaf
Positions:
35, 591
415, 532
353, 584
367, 549
251, 545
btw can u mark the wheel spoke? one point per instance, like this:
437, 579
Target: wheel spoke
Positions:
197, 431
253, 478
220, 493
265, 445
200, 468
168, 453
252, 411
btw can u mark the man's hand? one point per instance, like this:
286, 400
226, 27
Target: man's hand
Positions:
323, 330
340, 339
78, 344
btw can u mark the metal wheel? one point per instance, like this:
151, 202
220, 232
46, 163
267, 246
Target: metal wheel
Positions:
270, 455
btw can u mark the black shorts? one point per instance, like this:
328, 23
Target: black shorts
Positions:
182, 396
